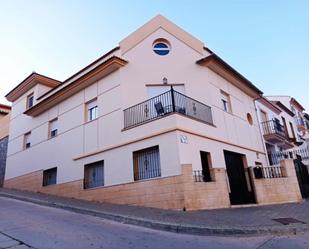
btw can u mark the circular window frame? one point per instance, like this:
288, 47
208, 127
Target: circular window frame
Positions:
163, 41
249, 118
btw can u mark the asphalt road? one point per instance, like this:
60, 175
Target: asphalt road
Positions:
25, 225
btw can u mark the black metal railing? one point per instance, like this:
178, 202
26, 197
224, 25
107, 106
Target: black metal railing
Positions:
199, 176
164, 104
268, 172
276, 157
273, 127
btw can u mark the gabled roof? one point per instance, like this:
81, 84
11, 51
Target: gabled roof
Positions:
154, 24
296, 103
216, 64
80, 72
269, 105
101, 70
5, 109
32, 80
283, 107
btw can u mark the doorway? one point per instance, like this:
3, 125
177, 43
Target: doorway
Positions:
240, 182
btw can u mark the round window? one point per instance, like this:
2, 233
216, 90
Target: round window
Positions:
249, 118
161, 47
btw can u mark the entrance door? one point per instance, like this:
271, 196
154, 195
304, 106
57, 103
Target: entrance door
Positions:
302, 177
241, 191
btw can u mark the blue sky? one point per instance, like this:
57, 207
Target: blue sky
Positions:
266, 41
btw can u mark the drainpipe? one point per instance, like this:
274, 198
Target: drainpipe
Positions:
260, 130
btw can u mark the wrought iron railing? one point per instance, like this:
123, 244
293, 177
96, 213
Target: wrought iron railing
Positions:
164, 104
276, 157
268, 172
273, 127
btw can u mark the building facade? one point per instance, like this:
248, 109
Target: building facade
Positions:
158, 121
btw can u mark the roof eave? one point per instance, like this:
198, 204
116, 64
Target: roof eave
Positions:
213, 59
102, 70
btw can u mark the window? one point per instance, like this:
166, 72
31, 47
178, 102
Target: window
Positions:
53, 128
49, 176
161, 47
30, 99
206, 164
27, 142
92, 110
249, 119
292, 130
146, 163
226, 103
94, 175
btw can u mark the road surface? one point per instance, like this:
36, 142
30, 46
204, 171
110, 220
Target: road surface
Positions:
27, 225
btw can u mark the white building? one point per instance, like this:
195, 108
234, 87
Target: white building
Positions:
132, 126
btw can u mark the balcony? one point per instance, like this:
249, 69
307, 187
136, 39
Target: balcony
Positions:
165, 104
275, 133
301, 126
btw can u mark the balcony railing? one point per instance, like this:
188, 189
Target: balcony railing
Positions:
277, 157
268, 172
273, 127
164, 104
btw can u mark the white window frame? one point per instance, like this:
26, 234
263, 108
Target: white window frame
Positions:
91, 110
53, 128
30, 97
226, 102
27, 140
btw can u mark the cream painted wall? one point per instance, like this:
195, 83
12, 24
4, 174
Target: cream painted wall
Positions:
120, 90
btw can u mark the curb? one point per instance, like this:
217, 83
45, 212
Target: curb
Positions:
171, 227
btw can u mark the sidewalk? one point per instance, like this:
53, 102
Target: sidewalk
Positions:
257, 220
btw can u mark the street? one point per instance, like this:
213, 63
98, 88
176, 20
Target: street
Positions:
25, 225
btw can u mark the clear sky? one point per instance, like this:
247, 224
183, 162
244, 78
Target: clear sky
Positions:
266, 41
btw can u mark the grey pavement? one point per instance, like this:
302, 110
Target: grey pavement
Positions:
45, 227
245, 220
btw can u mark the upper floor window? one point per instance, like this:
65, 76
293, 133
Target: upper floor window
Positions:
92, 110
53, 128
27, 142
30, 99
161, 47
226, 101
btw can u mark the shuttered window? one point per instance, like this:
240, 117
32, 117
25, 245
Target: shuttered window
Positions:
146, 163
94, 175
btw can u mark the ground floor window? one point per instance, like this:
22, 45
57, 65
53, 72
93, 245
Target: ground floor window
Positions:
146, 163
94, 175
50, 176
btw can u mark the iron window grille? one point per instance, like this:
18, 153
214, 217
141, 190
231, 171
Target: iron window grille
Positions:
146, 163
94, 175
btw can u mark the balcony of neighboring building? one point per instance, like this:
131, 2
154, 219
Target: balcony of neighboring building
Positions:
164, 105
301, 124
275, 133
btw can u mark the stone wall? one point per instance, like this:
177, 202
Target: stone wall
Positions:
279, 190
175, 192
3, 152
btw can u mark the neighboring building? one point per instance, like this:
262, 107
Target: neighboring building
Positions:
4, 138
297, 109
135, 125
